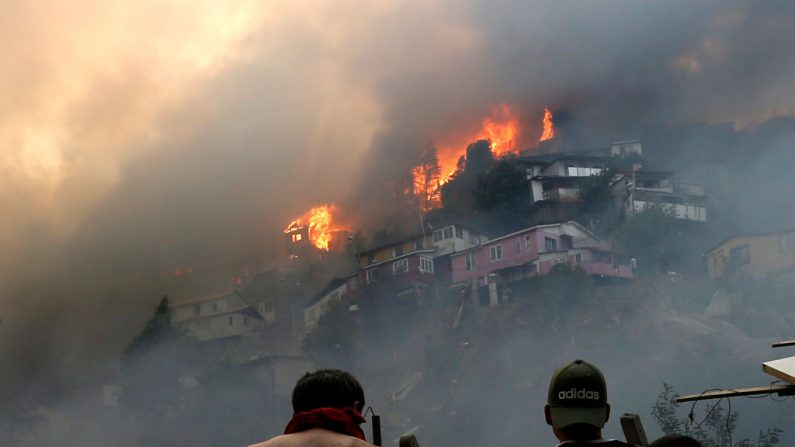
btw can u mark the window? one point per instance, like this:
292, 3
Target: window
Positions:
371, 258
527, 242
550, 244
426, 265
517, 247
566, 242
371, 275
296, 237
418, 244
582, 172
786, 242
578, 258
401, 266
495, 253
437, 235
397, 251
470, 261
459, 232
740, 255
231, 320
197, 309
245, 321
447, 233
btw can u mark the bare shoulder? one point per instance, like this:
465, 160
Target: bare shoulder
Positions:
314, 438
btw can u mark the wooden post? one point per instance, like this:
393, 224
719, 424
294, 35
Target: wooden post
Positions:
633, 429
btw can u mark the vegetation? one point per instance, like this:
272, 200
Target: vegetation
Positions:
715, 429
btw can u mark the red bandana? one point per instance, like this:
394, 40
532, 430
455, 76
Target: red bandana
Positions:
340, 420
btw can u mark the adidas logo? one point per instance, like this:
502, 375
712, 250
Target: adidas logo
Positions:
574, 393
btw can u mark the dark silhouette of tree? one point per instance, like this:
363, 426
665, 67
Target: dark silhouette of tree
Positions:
457, 194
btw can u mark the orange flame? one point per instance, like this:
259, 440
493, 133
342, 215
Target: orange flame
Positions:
320, 225
501, 128
549, 127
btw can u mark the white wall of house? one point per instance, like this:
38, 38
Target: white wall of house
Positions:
453, 238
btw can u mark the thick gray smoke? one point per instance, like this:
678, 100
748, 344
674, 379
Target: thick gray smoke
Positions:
138, 141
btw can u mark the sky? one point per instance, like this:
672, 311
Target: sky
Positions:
137, 138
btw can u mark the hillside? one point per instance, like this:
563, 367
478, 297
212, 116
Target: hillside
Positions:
485, 383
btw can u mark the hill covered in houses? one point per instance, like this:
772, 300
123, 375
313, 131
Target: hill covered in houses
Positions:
658, 265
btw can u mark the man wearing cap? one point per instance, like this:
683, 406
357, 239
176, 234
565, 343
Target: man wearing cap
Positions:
577, 407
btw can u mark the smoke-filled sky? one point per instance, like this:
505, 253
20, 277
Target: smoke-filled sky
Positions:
138, 137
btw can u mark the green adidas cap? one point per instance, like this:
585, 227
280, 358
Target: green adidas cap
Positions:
578, 395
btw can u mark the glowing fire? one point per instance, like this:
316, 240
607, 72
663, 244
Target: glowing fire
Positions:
319, 222
501, 128
549, 128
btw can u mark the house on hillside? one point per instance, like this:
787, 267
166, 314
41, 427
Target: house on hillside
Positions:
747, 258
534, 251
413, 264
640, 189
217, 317
337, 291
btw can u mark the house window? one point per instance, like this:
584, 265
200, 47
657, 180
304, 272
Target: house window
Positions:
495, 253
245, 321
426, 265
400, 266
517, 247
371, 275
397, 251
296, 237
437, 235
231, 320
566, 242
527, 242
419, 244
578, 258
459, 232
371, 258
740, 255
447, 233
786, 242
470, 261
550, 244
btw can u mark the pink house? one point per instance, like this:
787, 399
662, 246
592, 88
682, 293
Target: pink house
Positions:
533, 251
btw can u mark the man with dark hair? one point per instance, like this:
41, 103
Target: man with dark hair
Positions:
327, 407
577, 407
675, 441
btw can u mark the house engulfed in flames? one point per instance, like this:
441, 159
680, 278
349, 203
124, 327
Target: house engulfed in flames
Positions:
315, 230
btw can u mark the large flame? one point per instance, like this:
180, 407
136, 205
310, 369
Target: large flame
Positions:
549, 127
501, 128
319, 222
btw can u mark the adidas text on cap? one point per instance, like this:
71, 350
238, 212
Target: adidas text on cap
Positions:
578, 395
